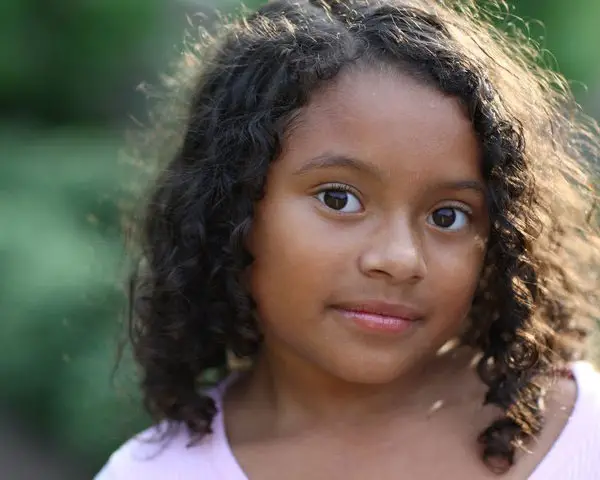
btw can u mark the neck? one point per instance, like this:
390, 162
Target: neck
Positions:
300, 395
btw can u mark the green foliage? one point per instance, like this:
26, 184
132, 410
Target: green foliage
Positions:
569, 31
60, 291
63, 61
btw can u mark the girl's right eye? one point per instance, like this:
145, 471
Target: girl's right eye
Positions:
340, 199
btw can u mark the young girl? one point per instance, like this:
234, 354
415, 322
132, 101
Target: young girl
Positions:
377, 235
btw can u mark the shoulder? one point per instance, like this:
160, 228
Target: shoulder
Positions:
579, 397
573, 427
163, 451
167, 450
579, 440
587, 378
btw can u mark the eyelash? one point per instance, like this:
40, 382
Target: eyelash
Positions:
337, 187
459, 206
342, 187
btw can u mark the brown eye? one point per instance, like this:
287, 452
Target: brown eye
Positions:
340, 200
449, 218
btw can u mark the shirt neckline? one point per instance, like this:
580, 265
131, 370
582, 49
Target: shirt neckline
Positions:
227, 465
570, 435
224, 461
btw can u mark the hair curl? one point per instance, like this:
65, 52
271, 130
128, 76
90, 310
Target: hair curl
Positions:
537, 291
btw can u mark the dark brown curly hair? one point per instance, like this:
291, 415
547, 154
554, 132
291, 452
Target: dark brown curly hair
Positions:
234, 96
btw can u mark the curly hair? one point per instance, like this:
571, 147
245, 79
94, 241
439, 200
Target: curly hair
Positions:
234, 97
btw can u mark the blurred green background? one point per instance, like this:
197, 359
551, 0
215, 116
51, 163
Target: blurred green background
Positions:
68, 78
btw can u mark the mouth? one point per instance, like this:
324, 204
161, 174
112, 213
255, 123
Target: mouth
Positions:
380, 317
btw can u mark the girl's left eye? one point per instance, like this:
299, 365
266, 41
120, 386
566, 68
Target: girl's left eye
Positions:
340, 200
449, 218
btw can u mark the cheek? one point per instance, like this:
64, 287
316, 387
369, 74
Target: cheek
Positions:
295, 258
455, 273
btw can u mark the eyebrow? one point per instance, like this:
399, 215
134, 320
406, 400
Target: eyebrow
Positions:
329, 160
475, 185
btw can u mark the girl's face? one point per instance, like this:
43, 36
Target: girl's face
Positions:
370, 240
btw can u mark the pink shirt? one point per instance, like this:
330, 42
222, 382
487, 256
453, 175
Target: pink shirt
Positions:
574, 456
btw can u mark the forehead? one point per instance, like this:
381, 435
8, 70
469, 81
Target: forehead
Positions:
387, 118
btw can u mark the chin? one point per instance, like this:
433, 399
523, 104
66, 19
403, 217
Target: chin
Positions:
373, 369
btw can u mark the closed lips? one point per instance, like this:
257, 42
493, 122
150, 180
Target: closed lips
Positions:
381, 309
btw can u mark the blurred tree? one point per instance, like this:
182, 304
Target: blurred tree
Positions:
64, 62
569, 31
61, 291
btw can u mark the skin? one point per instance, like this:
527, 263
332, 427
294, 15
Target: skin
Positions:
328, 398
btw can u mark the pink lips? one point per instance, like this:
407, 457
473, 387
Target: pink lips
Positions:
380, 317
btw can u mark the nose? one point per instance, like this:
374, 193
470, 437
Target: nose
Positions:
394, 252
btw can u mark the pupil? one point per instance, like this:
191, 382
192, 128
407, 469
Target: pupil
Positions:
335, 199
444, 217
